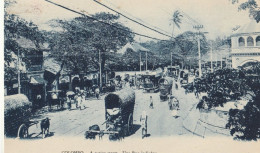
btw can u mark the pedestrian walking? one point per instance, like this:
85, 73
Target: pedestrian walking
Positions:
69, 101
82, 100
176, 86
143, 120
97, 92
70, 96
151, 102
170, 101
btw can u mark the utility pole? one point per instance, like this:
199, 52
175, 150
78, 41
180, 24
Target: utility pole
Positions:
225, 61
19, 75
216, 61
171, 59
140, 61
146, 60
221, 60
211, 64
100, 74
198, 27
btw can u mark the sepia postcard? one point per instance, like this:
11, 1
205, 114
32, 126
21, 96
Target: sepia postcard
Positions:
130, 76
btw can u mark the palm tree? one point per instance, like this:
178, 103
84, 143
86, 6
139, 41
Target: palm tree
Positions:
176, 19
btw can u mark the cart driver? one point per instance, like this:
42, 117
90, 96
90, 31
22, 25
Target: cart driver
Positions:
113, 113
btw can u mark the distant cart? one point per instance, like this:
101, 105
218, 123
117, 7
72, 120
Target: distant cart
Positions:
17, 114
55, 99
119, 108
150, 81
165, 87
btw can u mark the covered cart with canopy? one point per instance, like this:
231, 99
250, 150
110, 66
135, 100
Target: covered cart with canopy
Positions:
17, 114
119, 108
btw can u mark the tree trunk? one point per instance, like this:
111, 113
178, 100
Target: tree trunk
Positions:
103, 61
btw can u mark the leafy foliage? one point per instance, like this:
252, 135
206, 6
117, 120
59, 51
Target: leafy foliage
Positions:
81, 39
245, 123
221, 86
252, 6
176, 19
15, 28
227, 84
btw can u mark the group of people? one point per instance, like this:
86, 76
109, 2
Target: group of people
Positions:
79, 97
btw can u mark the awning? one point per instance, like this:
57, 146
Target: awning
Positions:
37, 80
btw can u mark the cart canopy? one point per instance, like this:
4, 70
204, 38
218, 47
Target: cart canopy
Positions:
16, 112
120, 99
18, 101
165, 81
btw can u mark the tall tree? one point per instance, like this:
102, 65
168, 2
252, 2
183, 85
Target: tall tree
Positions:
82, 39
176, 19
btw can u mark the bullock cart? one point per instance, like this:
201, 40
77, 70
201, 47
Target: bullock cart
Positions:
119, 108
17, 114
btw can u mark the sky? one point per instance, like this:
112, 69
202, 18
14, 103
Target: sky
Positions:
218, 17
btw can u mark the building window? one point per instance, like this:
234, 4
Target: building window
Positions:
241, 42
258, 41
250, 41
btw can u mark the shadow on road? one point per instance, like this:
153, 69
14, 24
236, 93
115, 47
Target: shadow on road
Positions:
136, 127
39, 136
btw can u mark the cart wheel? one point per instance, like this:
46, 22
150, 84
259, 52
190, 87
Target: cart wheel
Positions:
130, 124
23, 132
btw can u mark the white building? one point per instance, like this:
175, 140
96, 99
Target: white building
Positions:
246, 44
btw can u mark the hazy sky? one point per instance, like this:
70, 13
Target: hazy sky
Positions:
217, 16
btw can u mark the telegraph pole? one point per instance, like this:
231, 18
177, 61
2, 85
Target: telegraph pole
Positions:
198, 27
146, 60
211, 64
171, 59
221, 60
19, 75
100, 74
140, 61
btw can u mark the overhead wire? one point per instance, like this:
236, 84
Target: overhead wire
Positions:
137, 18
105, 23
131, 19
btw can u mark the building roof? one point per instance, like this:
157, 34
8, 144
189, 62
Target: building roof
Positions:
251, 27
51, 64
134, 46
26, 43
37, 80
